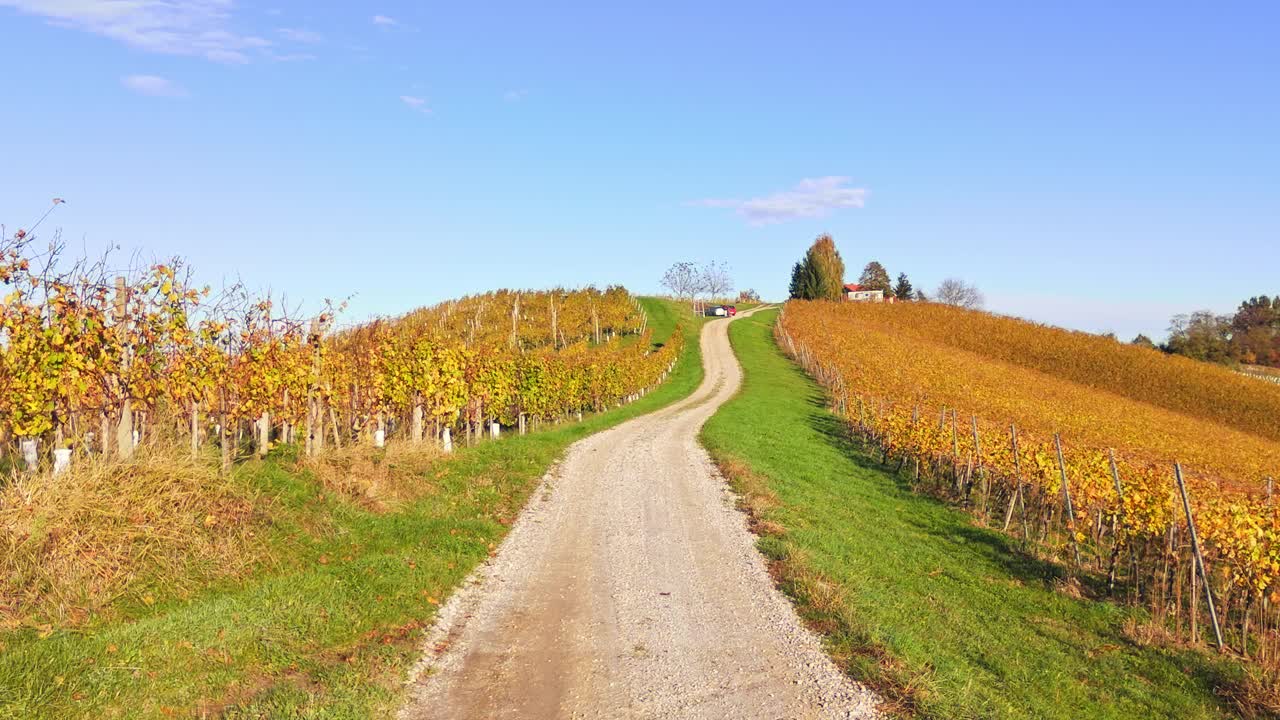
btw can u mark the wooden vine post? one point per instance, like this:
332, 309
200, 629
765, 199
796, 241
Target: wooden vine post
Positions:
514, 340
1115, 523
416, 421
1016, 496
224, 432
1066, 499
315, 418
1195, 549
124, 429
263, 434
955, 450
977, 456
554, 323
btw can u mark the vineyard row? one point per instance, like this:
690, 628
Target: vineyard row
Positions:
1204, 560
97, 365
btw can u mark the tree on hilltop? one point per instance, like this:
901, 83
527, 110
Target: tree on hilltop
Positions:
820, 273
875, 277
1202, 335
904, 290
954, 291
683, 281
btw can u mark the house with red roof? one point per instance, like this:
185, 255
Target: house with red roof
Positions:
857, 293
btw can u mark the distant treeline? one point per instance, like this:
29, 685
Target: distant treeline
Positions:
1251, 336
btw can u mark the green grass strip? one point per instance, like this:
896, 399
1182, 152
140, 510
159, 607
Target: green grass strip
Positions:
947, 619
331, 628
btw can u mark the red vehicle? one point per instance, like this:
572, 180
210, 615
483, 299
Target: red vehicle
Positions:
731, 309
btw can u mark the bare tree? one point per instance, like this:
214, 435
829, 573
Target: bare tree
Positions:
954, 291
683, 281
716, 282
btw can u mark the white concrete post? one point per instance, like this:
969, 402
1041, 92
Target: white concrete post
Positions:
264, 434
495, 430
446, 438
379, 438
30, 456
61, 460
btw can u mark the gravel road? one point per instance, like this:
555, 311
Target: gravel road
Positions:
630, 587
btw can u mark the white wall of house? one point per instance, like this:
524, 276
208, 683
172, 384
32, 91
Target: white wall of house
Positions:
865, 295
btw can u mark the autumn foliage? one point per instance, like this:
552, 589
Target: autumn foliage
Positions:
945, 389
100, 364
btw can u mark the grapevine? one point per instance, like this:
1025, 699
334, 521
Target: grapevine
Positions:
947, 395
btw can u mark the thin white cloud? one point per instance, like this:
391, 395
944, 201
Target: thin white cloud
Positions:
385, 21
515, 95
198, 28
811, 198
153, 85
290, 57
300, 35
417, 103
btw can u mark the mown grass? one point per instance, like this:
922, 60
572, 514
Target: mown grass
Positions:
946, 619
329, 625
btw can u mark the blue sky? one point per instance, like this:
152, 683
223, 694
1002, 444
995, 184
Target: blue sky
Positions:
1090, 165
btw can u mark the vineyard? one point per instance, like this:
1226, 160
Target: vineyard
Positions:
1260, 372
1069, 442
95, 365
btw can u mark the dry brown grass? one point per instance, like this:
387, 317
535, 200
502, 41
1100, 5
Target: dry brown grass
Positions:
1256, 695
157, 526
378, 479
754, 496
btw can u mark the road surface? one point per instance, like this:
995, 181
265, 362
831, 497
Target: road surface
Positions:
631, 588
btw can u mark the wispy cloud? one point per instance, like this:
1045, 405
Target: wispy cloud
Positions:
385, 21
300, 35
199, 28
153, 85
417, 103
515, 95
812, 197
290, 57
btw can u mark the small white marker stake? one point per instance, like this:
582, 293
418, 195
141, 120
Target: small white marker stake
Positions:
61, 460
29, 455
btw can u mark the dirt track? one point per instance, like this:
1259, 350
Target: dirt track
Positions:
631, 588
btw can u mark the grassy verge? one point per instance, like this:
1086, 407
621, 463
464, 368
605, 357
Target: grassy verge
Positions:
328, 626
944, 618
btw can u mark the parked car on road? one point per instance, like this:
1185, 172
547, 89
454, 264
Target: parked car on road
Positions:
731, 310
717, 311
